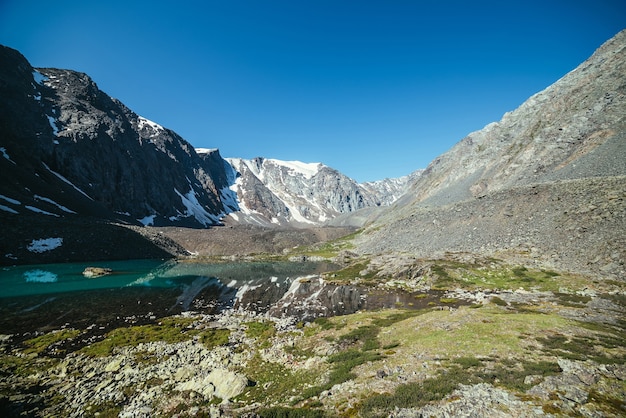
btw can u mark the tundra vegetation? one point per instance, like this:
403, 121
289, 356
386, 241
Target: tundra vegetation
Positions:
522, 331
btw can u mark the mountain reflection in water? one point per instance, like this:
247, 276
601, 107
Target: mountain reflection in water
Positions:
54, 295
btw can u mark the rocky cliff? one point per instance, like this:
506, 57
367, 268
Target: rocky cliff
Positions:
60, 129
545, 183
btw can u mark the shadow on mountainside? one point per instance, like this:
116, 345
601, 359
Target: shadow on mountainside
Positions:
83, 239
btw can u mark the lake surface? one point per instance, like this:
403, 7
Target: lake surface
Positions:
48, 296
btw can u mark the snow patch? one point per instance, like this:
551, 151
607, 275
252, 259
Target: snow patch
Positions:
148, 220
308, 170
8, 209
43, 212
45, 244
244, 289
195, 209
39, 78
143, 122
205, 150
45, 199
40, 276
8, 199
3, 150
66, 181
53, 124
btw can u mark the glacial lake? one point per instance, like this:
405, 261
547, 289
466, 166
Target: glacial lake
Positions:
54, 295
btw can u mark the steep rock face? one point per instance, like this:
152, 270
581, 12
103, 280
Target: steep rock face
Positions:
93, 155
291, 192
544, 184
572, 129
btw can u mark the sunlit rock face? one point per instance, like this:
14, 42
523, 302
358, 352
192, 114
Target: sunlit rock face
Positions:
275, 192
545, 183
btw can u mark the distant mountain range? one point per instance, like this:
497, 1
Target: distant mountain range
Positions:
293, 193
70, 151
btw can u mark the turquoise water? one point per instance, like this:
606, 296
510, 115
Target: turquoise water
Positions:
55, 278
50, 296
59, 278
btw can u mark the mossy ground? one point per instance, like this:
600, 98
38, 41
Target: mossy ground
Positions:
170, 330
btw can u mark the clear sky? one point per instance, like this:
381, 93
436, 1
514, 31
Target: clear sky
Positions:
374, 89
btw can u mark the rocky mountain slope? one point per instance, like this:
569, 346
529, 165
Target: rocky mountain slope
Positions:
546, 183
275, 192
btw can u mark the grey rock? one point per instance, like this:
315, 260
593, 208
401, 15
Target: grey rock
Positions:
547, 179
274, 192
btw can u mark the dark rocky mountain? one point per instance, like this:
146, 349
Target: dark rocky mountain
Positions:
73, 155
547, 183
60, 129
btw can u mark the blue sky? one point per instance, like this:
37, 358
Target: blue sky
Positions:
374, 89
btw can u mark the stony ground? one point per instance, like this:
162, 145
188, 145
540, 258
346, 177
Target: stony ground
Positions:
574, 225
524, 342
247, 239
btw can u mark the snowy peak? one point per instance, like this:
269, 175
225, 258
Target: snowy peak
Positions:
276, 192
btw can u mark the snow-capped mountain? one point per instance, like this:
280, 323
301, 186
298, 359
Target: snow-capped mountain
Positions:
69, 150
275, 192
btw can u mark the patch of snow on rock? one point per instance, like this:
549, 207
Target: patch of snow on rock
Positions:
205, 150
8, 209
39, 78
195, 209
45, 244
52, 202
8, 199
308, 170
3, 150
66, 181
147, 220
53, 124
43, 212
143, 122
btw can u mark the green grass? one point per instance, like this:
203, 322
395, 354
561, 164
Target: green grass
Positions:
351, 272
448, 274
274, 382
511, 373
261, 331
366, 335
103, 410
342, 365
328, 249
415, 394
601, 348
283, 412
170, 330
463, 370
43, 342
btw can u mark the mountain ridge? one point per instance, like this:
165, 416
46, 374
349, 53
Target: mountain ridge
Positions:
544, 186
